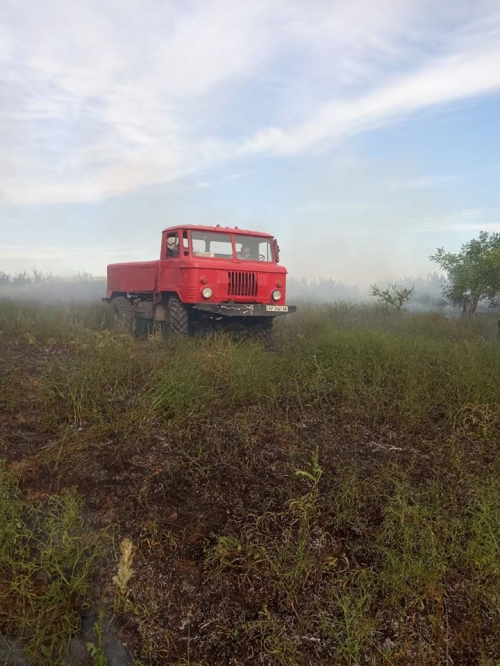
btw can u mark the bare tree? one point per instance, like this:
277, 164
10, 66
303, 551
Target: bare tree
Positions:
394, 297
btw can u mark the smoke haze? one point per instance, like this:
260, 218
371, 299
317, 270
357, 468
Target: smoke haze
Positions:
363, 135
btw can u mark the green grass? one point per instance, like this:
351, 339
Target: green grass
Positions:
334, 500
47, 564
42, 322
418, 583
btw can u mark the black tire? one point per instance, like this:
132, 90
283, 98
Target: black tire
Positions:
178, 317
264, 334
123, 310
237, 331
142, 327
235, 327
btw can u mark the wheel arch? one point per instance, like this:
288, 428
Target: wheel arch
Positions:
116, 294
161, 306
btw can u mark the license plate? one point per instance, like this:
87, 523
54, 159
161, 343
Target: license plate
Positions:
277, 308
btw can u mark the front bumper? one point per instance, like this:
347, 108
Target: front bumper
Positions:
244, 309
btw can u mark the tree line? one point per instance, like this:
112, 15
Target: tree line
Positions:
472, 277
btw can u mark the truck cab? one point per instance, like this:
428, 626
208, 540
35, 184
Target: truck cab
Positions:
205, 277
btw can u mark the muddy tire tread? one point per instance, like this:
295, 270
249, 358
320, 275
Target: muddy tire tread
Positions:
178, 316
122, 308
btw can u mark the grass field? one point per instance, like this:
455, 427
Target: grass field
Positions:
334, 500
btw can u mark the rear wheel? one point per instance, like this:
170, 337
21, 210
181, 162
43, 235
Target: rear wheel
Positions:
235, 327
237, 331
178, 316
123, 310
264, 333
142, 327
243, 331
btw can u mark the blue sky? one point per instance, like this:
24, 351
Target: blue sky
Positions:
363, 134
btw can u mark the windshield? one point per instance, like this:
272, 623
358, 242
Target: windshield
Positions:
213, 245
219, 246
253, 248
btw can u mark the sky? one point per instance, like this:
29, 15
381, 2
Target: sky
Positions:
362, 134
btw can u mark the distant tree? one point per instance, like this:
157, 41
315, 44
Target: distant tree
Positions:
473, 273
394, 297
20, 279
39, 276
4, 278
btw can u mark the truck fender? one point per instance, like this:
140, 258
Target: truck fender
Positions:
160, 311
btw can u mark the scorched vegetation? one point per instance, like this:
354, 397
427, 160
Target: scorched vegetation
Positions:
333, 500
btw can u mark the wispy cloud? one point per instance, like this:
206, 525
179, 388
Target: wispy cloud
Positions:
98, 100
469, 220
344, 207
449, 79
422, 183
228, 178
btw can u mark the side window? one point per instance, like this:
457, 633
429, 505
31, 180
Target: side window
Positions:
265, 251
172, 244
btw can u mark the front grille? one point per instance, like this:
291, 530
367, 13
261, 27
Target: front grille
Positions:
242, 284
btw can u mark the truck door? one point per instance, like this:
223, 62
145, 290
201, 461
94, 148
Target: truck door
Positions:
172, 252
175, 247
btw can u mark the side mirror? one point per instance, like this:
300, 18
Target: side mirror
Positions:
276, 250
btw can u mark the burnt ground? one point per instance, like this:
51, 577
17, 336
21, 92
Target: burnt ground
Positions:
175, 489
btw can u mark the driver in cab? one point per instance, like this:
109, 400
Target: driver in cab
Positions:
172, 247
245, 252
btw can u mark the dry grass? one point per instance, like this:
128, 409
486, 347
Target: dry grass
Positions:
334, 501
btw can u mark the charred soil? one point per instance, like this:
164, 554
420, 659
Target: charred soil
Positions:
334, 501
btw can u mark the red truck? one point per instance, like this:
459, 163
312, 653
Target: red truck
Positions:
206, 278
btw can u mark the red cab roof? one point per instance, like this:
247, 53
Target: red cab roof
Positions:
218, 228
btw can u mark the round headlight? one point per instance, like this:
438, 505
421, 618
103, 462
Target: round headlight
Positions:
276, 295
206, 292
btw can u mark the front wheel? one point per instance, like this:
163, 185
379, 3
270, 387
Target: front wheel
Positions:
123, 310
178, 316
